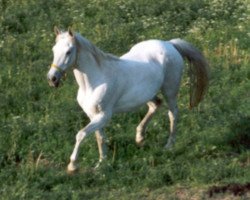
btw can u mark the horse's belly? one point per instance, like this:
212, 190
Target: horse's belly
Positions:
136, 97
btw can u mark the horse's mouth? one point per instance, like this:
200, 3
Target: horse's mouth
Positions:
54, 84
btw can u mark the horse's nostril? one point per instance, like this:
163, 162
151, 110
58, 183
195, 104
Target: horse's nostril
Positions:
53, 79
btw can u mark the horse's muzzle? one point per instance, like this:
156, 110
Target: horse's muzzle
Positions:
53, 81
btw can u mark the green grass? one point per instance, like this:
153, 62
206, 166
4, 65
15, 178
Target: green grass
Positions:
38, 124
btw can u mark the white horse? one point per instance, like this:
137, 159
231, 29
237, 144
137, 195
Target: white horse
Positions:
109, 84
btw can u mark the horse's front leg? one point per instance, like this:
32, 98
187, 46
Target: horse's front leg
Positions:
102, 147
96, 123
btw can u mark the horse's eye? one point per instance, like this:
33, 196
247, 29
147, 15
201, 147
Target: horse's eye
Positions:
68, 53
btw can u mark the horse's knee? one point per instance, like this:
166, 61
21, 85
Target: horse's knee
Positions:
154, 105
79, 136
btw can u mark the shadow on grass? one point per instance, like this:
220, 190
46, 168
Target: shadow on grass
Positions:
239, 138
235, 188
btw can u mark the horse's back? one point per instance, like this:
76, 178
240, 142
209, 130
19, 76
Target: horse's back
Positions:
153, 50
144, 67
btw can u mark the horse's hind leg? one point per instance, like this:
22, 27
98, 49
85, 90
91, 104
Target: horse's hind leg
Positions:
140, 130
172, 114
170, 90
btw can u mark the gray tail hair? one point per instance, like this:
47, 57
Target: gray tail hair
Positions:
199, 70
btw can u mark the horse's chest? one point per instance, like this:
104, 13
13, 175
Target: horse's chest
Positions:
90, 101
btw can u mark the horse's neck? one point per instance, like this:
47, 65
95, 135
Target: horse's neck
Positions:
80, 79
93, 65
88, 73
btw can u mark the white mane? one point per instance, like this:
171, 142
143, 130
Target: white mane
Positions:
98, 54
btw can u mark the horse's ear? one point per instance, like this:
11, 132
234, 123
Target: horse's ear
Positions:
71, 33
56, 30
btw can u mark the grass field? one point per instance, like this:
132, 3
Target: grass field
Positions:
211, 158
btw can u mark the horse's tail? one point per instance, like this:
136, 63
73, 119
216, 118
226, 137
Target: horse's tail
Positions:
199, 73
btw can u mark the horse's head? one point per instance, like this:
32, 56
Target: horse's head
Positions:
64, 51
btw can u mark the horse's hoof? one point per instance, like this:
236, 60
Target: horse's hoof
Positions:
139, 141
72, 168
97, 166
100, 163
140, 144
103, 167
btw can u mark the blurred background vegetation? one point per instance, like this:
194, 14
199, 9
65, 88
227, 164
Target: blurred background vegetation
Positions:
38, 124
